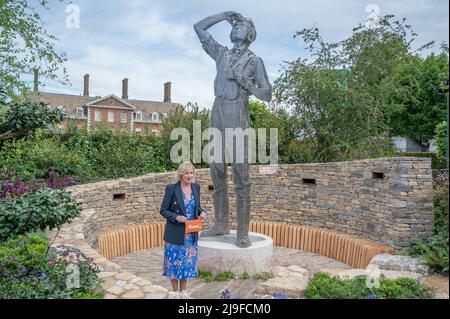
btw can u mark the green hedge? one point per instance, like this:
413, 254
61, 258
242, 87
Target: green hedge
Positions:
322, 286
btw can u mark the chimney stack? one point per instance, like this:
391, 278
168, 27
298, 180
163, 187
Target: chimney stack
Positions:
36, 80
86, 85
125, 88
167, 93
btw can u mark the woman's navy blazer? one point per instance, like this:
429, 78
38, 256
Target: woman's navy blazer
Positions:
172, 206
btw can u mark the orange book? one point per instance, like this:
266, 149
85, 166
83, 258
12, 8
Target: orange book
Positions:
193, 226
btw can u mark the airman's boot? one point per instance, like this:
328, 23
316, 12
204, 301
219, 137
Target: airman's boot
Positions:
221, 226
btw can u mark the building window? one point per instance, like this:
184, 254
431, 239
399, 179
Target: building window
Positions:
111, 117
155, 117
123, 118
138, 130
98, 116
79, 112
138, 115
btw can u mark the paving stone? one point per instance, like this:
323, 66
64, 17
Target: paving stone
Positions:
439, 283
133, 294
124, 276
115, 290
120, 283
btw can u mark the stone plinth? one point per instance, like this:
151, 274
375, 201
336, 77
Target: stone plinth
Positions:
220, 254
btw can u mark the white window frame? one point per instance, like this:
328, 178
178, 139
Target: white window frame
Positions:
155, 117
110, 116
98, 116
138, 130
122, 119
79, 112
139, 116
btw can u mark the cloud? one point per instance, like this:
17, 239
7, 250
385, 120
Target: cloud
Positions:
152, 42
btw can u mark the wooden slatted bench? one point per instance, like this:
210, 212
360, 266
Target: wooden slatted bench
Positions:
126, 239
352, 250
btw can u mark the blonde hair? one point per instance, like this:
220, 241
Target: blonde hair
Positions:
183, 168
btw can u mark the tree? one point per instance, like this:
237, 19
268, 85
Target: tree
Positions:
338, 93
262, 116
441, 138
415, 106
20, 118
183, 117
25, 45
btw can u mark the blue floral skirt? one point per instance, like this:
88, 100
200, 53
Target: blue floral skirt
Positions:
180, 261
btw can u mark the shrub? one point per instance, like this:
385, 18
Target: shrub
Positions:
30, 270
435, 250
245, 276
206, 276
322, 286
224, 276
36, 211
34, 157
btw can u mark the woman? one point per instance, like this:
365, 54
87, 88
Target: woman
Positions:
181, 202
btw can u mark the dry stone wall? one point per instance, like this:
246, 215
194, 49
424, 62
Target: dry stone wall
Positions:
388, 200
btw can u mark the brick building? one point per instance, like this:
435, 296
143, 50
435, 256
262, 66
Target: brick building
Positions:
111, 111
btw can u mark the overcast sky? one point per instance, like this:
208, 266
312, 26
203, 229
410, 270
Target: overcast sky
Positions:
152, 42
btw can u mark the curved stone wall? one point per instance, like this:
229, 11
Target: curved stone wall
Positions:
388, 200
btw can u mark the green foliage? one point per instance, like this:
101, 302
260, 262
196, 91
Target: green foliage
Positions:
413, 107
29, 270
245, 276
183, 117
224, 276
441, 138
435, 249
206, 276
25, 44
322, 286
35, 156
337, 94
20, 118
36, 211
287, 127
89, 156
263, 276
113, 155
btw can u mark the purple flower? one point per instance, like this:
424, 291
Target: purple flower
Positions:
225, 294
51, 182
279, 295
